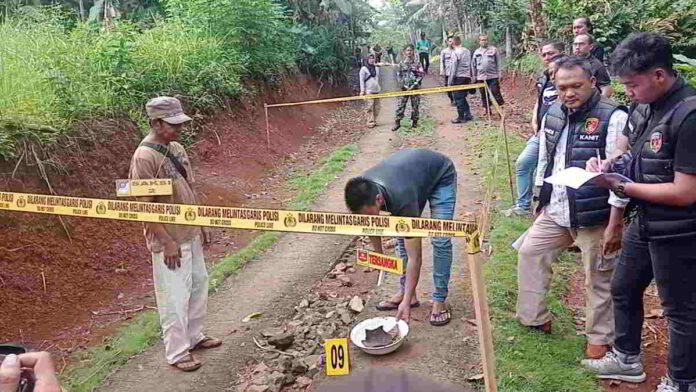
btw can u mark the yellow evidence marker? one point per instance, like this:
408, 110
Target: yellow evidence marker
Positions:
336, 357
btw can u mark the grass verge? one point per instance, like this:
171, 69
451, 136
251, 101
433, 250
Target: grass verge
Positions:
426, 127
526, 360
91, 367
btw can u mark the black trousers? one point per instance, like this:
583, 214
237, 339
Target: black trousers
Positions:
446, 83
494, 86
673, 265
424, 60
463, 109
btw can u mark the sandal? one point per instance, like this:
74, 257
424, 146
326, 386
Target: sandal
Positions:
437, 323
207, 342
188, 363
389, 305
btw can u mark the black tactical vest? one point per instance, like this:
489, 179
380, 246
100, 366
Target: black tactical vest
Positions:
653, 148
587, 133
542, 80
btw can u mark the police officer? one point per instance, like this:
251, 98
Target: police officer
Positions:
460, 74
584, 26
580, 125
527, 160
582, 46
446, 66
660, 241
487, 67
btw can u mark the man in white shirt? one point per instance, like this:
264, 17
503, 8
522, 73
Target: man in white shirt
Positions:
446, 66
580, 125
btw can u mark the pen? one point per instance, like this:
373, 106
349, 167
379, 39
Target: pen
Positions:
599, 161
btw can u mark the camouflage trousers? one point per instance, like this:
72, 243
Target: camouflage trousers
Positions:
401, 107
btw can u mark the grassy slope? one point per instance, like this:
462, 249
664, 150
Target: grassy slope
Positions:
90, 368
527, 360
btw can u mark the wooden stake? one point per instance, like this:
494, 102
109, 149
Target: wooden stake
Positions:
488, 101
268, 129
43, 278
381, 277
507, 156
478, 286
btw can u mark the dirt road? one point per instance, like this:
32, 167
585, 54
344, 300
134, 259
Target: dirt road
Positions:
274, 283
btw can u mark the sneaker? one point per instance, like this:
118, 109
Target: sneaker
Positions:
459, 120
396, 126
667, 385
517, 210
611, 367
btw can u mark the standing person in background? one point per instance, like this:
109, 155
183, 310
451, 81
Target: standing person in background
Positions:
582, 46
446, 56
369, 84
584, 26
410, 76
357, 58
487, 68
390, 53
377, 51
460, 74
660, 240
527, 160
424, 47
178, 266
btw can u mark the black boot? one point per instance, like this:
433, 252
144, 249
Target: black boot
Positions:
397, 125
414, 123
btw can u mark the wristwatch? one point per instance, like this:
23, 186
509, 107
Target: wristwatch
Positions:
620, 190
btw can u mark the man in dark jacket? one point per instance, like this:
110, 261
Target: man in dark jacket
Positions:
660, 241
582, 124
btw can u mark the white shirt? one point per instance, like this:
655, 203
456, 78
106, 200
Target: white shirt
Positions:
367, 84
558, 208
461, 64
446, 61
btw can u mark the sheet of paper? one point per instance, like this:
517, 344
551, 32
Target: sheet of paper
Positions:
575, 177
572, 177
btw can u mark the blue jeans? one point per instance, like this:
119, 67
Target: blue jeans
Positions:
526, 165
442, 200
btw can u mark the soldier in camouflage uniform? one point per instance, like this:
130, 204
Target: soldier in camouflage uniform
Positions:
410, 77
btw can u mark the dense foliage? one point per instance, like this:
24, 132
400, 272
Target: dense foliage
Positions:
62, 63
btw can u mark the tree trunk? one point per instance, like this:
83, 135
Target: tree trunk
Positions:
537, 19
82, 11
458, 16
508, 43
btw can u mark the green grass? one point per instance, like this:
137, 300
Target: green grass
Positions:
532, 361
93, 366
426, 127
309, 185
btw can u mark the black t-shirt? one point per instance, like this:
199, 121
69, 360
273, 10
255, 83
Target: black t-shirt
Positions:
685, 150
408, 177
598, 53
599, 71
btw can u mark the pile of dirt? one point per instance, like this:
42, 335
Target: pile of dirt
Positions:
67, 282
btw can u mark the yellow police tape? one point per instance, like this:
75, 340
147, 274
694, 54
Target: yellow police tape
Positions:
237, 218
385, 95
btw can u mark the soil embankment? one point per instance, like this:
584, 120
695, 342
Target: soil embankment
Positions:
56, 273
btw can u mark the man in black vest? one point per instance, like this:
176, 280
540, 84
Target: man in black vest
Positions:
580, 125
660, 241
526, 162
